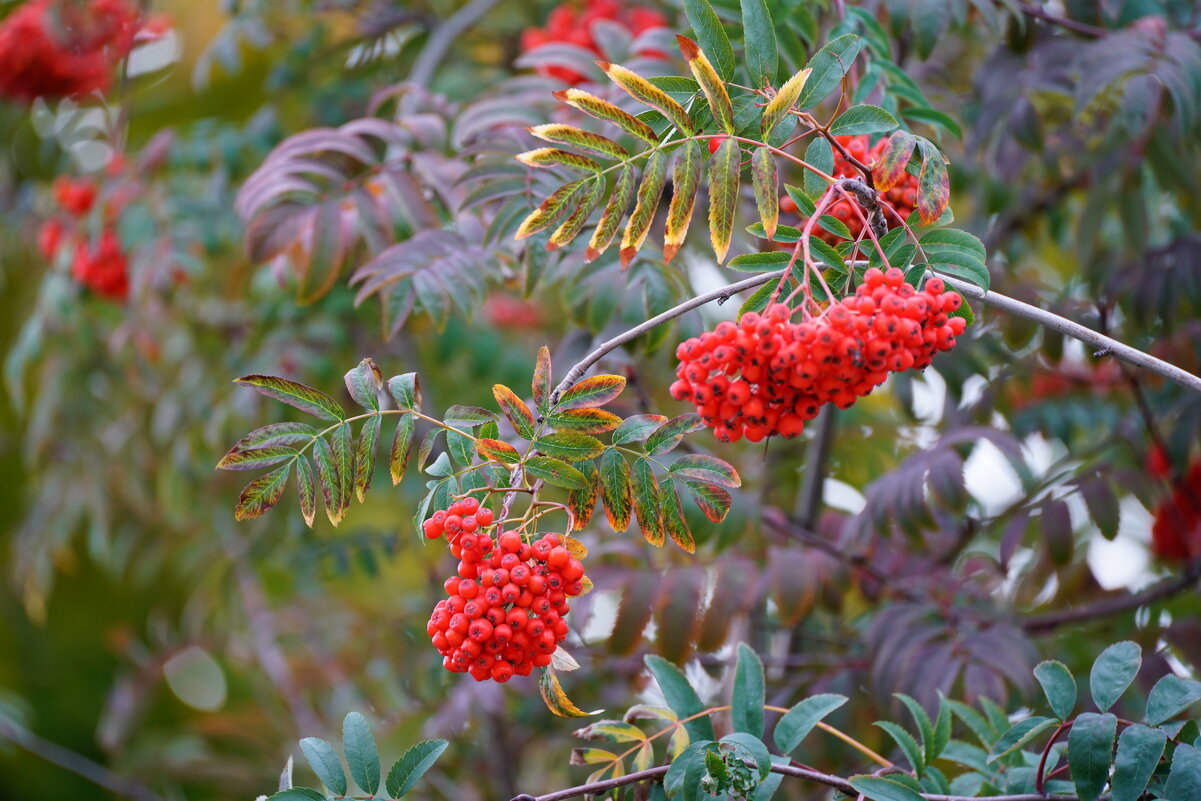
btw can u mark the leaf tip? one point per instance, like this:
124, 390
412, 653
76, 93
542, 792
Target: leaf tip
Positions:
687, 47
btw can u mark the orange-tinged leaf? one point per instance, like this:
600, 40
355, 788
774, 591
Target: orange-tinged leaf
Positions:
685, 180
497, 451
646, 502
575, 221
254, 458
706, 468
889, 169
673, 517
615, 489
933, 189
610, 219
576, 548
364, 462
541, 382
328, 479
654, 176
710, 82
646, 92
585, 421
577, 137
604, 110
554, 157
554, 207
713, 501
263, 493
402, 447
779, 106
306, 490
582, 503
556, 699
570, 445
515, 410
724, 170
590, 392
766, 180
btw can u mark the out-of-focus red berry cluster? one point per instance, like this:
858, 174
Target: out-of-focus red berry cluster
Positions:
902, 197
55, 49
572, 23
1176, 532
503, 615
101, 265
766, 375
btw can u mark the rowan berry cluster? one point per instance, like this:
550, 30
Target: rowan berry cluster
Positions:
573, 25
1176, 532
503, 615
55, 49
767, 375
102, 266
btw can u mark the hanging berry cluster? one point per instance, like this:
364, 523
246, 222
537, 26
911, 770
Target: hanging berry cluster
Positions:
572, 25
54, 49
504, 612
767, 375
100, 265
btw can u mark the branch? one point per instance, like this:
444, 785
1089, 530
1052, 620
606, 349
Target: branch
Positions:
1031, 10
1088, 336
1158, 592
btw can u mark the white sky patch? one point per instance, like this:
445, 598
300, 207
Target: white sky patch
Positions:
990, 479
1124, 561
842, 496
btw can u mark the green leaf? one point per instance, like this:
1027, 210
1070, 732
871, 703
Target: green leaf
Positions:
713, 501
583, 502
933, 117
952, 240
1139, 750
363, 383
650, 191
820, 155
305, 398
306, 490
680, 696
1019, 735
1170, 696
1184, 779
797, 722
616, 491
518, 414
1113, 671
570, 446
759, 32
685, 180
828, 65
746, 703
496, 450
765, 180
725, 168
667, 436
328, 478
583, 421
706, 468
361, 753
760, 262
276, 434
673, 517
325, 763
924, 725
406, 391
749, 746
779, 107
591, 392
942, 731
1059, 685
402, 447
556, 472
260, 495
637, 428
881, 788
297, 794
863, 119
757, 302
610, 219
254, 458
1090, 752
342, 443
412, 765
906, 742
711, 36
646, 502
364, 460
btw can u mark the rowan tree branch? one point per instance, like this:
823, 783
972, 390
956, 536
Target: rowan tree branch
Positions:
1082, 28
1165, 589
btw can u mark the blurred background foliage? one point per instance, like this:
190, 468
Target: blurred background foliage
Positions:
931, 537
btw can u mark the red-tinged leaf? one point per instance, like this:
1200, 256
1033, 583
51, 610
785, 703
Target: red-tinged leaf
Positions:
667, 436
364, 383
570, 445
646, 502
654, 176
553, 157
714, 502
933, 189
276, 434
594, 391
724, 170
406, 391
585, 421
710, 82
889, 169
497, 451
364, 460
706, 468
577, 137
637, 428
616, 491
646, 92
686, 180
306, 490
556, 472
255, 458
610, 219
541, 382
402, 447
305, 398
341, 441
673, 517
583, 502
575, 221
766, 180
328, 478
604, 110
551, 209
263, 493
515, 410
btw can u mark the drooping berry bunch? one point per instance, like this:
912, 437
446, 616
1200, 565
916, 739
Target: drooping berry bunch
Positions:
1176, 532
101, 265
572, 24
504, 612
55, 49
766, 375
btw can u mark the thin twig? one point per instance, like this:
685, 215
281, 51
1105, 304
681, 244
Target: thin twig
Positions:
1158, 592
1031, 10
